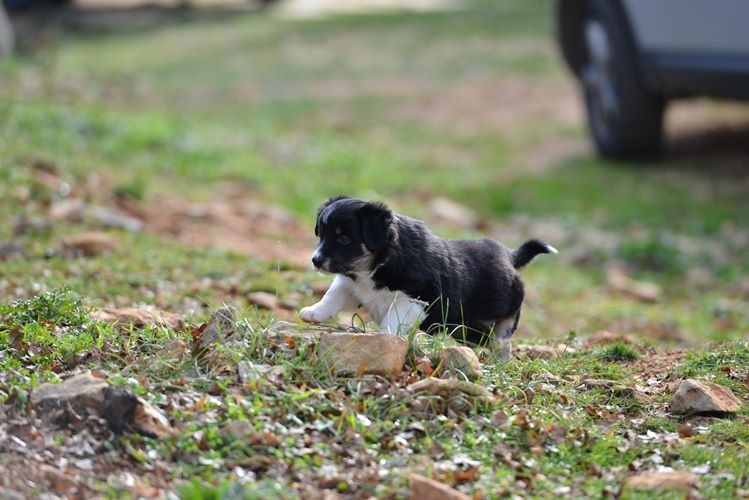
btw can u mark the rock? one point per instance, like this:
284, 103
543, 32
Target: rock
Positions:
423, 488
124, 411
76, 210
362, 353
541, 351
138, 317
319, 289
594, 383
449, 388
424, 366
635, 395
11, 250
605, 337
174, 350
452, 213
149, 420
640, 290
109, 217
83, 394
459, 361
90, 244
25, 225
281, 330
695, 396
253, 372
263, 300
70, 209
664, 480
220, 329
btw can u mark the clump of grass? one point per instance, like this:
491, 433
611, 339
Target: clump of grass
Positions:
618, 351
731, 354
653, 254
59, 307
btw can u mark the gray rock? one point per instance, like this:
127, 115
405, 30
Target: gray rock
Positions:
109, 217
253, 372
459, 361
84, 394
695, 396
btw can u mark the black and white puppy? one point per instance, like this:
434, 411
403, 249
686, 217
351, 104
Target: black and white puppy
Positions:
406, 277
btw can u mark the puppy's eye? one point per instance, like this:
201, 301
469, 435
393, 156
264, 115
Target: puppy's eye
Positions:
343, 240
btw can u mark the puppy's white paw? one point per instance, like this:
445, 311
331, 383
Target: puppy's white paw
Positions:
313, 314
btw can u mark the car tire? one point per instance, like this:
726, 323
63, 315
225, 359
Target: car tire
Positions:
624, 118
6, 34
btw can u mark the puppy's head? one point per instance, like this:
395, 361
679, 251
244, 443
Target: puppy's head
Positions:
352, 232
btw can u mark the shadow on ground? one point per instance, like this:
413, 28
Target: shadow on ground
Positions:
721, 149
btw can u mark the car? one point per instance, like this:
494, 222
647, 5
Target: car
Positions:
632, 57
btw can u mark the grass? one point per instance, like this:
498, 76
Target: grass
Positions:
471, 105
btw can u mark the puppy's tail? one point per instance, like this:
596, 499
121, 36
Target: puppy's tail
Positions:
525, 252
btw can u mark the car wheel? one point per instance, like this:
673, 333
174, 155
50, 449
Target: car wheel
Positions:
625, 120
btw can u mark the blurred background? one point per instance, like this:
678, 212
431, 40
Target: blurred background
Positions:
195, 139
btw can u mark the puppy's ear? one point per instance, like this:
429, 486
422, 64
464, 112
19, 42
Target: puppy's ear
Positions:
322, 209
375, 220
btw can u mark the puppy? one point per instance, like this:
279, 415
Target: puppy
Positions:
406, 277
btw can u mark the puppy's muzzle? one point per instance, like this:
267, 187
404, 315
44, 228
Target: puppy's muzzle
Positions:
317, 261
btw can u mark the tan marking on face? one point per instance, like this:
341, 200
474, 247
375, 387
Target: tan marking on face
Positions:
338, 231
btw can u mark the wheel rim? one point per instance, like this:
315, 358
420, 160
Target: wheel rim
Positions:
598, 78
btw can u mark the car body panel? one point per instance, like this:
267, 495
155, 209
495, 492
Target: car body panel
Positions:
707, 27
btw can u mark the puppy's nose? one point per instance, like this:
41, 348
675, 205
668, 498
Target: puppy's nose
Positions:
317, 261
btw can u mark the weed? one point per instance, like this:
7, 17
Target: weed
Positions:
618, 351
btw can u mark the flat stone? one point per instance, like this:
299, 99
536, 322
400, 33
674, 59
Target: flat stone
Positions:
83, 393
280, 330
459, 361
640, 290
450, 388
248, 371
138, 317
91, 244
110, 217
362, 353
664, 480
423, 488
604, 337
594, 383
541, 351
86, 395
696, 396
263, 300
452, 213
11, 251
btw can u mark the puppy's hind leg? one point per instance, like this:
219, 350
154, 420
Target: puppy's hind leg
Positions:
340, 296
402, 316
503, 331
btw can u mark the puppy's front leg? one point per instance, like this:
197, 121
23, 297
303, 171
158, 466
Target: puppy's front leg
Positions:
338, 297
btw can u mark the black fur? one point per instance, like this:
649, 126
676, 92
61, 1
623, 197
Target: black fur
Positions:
470, 286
